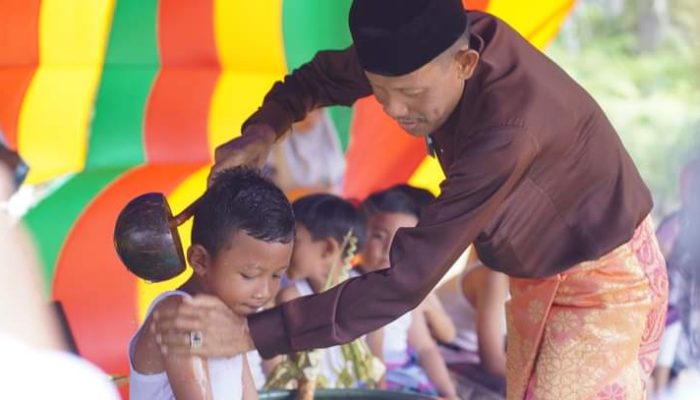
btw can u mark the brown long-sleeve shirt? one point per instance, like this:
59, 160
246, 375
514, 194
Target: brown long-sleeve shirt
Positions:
537, 179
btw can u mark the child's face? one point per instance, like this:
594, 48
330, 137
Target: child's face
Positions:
245, 274
381, 228
310, 257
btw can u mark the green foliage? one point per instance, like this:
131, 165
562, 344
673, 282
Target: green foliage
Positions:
650, 93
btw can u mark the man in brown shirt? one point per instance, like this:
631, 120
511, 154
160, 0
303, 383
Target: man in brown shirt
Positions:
537, 179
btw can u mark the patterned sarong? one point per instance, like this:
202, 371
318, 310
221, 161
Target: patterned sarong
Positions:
592, 332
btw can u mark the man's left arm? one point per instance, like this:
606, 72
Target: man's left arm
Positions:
476, 186
490, 166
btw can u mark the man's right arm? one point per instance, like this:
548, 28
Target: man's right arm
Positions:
332, 77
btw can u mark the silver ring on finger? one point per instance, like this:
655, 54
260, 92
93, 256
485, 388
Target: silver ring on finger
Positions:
196, 339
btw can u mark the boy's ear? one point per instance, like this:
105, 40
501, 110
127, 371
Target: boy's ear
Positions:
199, 259
331, 248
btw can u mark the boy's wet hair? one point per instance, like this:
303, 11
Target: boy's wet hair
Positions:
240, 199
326, 215
403, 199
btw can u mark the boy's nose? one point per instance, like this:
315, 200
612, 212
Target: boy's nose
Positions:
263, 291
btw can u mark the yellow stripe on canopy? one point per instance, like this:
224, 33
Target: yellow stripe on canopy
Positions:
55, 116
537, 20
251, 51
189, 190
236, 97
249, 35
428, 175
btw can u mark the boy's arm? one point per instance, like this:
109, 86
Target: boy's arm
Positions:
429, 356
441, 326
490, 316
375, 342
188, 375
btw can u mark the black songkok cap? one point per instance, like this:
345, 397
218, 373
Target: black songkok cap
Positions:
397, 37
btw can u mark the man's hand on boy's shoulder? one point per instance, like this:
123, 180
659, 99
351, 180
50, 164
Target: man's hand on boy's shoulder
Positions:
251, 148
218, 331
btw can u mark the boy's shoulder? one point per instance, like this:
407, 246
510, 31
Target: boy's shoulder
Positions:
147, 358
165, 301
168, 301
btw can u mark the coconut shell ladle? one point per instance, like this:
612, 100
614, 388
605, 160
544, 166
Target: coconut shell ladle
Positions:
146, 237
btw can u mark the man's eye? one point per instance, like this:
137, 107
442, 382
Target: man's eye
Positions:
246, 276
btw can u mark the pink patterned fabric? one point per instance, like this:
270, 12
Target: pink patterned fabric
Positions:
592, 332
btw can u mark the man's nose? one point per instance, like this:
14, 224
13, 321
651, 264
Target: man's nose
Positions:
395, 108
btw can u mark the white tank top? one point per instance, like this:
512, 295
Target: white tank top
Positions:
256, 368
395, 343
395, 347
225, 374
462, 313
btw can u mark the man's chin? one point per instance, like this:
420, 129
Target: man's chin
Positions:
421, 133
416, 130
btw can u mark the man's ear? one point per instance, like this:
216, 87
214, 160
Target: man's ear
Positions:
199, 259
467, 60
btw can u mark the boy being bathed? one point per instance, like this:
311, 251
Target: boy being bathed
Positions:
242, 239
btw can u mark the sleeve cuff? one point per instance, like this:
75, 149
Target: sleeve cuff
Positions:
269, 333
273, 115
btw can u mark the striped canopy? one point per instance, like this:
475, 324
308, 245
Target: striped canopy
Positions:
122, 97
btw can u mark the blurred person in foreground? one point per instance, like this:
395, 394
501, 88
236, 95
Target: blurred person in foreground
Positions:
35, 363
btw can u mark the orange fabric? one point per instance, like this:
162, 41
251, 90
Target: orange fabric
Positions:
19, 41
592, 332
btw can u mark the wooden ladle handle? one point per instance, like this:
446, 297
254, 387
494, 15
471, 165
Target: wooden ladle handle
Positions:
185, 214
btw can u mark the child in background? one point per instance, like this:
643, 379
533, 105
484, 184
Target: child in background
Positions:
475, 301
439, 321
409, 335
311, 160
673, 343
242, 239
684, 293
323, 221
